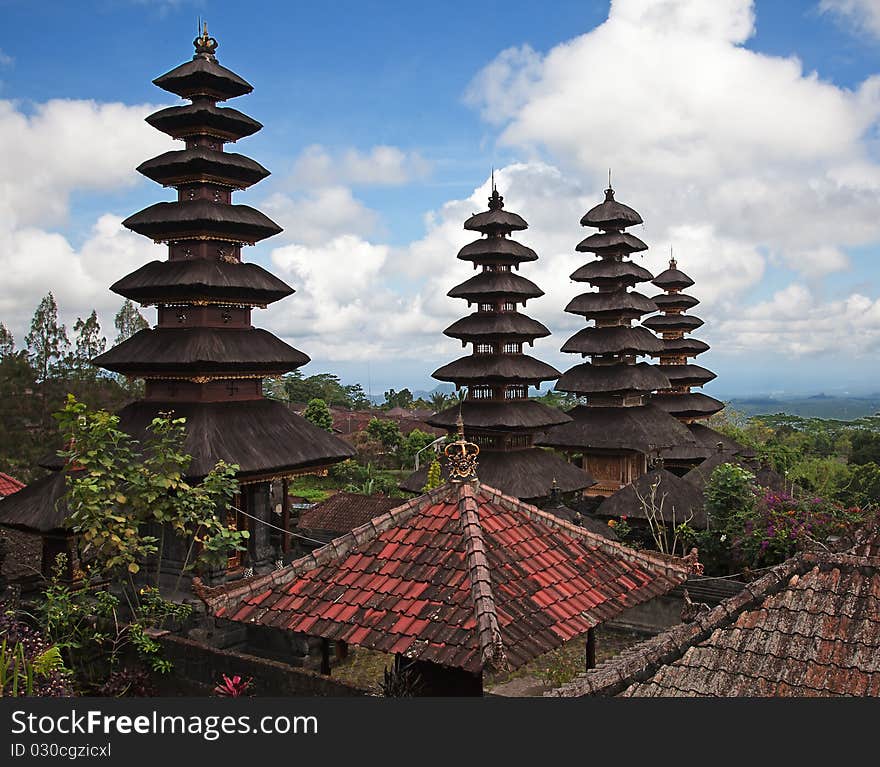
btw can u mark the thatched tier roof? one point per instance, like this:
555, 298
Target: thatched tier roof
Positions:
497, 221
202, 280
675, 500
711, 439
611, 243
679, 301
202, 219
526, 474
643, 429
618, 303
593, 379
687, 375
672, 278
490, 286
502, 325
514, 415
201, 350
609, 272
665, 323
690, 405
617, 339
204, 119
38, 507
203, 77
689, 347
201, 164
491, 368
497, 250
611, 214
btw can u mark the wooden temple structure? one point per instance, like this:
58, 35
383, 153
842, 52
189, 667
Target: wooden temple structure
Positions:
619, 433
204, 360
497, 413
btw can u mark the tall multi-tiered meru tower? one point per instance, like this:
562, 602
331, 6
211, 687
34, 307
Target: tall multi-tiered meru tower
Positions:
619, 433
497, 413
204, 360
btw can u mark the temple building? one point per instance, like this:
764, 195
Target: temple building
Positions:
619, 434
204, 360
497, 412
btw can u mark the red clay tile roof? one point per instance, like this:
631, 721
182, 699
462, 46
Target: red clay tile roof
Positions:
9, 485
344, 511
463, 576
809, 627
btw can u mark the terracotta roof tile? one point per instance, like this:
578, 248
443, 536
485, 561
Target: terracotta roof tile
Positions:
9, 485
462, 576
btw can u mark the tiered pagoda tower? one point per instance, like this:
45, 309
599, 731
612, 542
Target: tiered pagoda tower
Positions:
497, 412
618, 433
204, 360
672, 325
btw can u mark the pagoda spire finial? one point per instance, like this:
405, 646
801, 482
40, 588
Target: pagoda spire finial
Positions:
609, 192
496, 201
673, 264
204, 44
461, 456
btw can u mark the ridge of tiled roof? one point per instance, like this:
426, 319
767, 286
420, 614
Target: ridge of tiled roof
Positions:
464, 576
9, 485
639, 665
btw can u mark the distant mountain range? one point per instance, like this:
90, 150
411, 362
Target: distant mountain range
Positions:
843, 408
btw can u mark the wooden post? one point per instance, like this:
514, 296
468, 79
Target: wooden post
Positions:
325, 657
285, 515
591, 649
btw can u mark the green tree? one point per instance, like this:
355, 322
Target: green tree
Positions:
435, 478
412, 443
730, 492
402, 398
128, 321
863, 488
386, 432
118, 488
319, 414
88, 344
865, 447
47, 341
7, 342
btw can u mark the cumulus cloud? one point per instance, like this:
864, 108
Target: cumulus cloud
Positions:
320, 215
381, 166
699, 130
50, 151
864, 15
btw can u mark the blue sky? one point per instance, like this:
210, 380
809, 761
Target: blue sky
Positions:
450, 90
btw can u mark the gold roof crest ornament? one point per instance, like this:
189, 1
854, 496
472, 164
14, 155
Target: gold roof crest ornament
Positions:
461, 457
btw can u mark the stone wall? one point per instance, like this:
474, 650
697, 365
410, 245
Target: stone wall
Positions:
202, 665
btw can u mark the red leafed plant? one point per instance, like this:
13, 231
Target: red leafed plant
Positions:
234, 687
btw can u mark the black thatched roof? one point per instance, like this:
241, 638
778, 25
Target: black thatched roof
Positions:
690, 453
623, 303
690, 405
711, 438
591, 379
616, 339
493, 285
675, 500
190, 219
675, 301
203, 77
558, 509
672, 278
492, 250
611, 214
699, 475
687, 375
204, 165
617, 243
198, 350
644, 429
495, 222
662, 323
526, 474
262, 436
510, 368
609, 272
202, 280
38, 507
513, 415
689, 347
512, 325
203, 118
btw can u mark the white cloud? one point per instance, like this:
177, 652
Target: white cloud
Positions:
381, 166
5, 59
699, 130
863, 15
320, 215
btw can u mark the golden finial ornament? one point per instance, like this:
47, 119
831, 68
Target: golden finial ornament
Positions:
461, 457
204, 43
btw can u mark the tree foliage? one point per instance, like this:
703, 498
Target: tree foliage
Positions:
294, 387
47, 341
319, 414
88, 344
